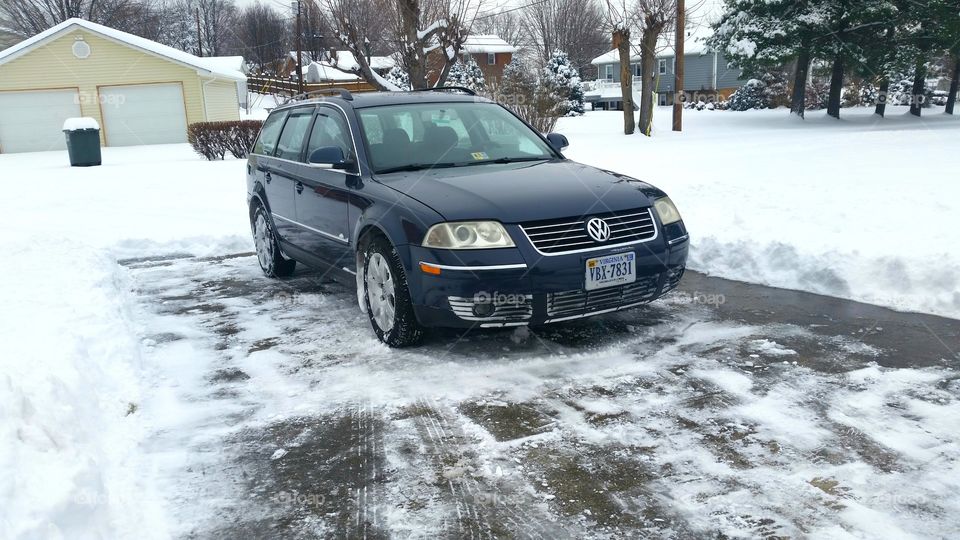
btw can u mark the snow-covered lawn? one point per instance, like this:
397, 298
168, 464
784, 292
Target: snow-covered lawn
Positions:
862, 208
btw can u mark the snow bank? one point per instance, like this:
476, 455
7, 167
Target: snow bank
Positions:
69, 392
862, 208
70, 373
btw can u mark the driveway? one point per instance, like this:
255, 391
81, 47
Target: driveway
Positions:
725, 409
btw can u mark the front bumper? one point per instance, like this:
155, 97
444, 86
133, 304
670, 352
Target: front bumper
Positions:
525, 287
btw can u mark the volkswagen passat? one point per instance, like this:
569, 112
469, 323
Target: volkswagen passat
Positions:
446, 209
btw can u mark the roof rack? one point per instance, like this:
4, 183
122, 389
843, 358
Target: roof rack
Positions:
463, 89
342, 92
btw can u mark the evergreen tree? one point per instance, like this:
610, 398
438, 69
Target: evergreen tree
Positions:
468, 75
561, 78
399, 78
752, 95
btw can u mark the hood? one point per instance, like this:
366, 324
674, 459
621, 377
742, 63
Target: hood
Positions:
519, 192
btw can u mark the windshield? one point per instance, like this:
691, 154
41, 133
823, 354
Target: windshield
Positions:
428, 135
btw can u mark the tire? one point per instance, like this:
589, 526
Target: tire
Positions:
387, 296
272, 262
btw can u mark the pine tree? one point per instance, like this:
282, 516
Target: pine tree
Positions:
561, 78
468, 75
399, 78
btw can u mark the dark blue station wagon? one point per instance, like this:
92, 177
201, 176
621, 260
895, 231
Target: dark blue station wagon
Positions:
446, 209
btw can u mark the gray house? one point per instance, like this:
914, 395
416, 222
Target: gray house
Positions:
706, 77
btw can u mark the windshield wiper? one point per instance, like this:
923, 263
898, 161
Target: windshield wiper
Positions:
416, 167
505, 160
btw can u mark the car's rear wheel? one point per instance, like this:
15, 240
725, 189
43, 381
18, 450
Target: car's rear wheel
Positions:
272, 262
387, 297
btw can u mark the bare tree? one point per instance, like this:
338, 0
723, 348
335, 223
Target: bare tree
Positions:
263, 36
28, 17
620, 22
654, 16
573, 26
426, 35
506, 24
354, 22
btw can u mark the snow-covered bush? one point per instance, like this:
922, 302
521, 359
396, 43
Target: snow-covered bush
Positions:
523, 92
777, 88
868, 94
817, 95
399, 78
561, 78
213, 140
752, 95
468, 75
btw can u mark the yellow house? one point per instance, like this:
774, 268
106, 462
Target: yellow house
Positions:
139, 91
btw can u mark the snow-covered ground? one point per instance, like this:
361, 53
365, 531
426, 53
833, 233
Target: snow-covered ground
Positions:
861, 208
106, 423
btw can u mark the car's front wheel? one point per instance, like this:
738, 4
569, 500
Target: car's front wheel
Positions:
272, 262
387, 297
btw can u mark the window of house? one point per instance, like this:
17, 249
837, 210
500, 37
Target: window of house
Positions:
637, 70
663, 66
609, 73
491, 59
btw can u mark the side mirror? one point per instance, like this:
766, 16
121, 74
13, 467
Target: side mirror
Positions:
558, 141
329, 157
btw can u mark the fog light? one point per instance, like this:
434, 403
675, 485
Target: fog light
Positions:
483, 309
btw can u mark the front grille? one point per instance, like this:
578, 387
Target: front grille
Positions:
510, 308
581, 302
570, 234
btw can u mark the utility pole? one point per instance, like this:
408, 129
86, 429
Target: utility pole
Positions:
678, 69
299, 53
199, 35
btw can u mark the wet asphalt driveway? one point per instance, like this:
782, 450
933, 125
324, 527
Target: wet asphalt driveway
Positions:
723, 410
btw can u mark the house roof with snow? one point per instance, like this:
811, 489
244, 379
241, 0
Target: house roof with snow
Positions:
487, 43
346, 60
695, 43
214, 66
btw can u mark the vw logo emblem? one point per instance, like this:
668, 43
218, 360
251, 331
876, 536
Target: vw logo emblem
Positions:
598, 229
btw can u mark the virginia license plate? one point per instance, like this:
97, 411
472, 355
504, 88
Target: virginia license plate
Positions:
611, 270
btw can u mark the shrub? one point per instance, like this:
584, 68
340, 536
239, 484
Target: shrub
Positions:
213, 140
752, 95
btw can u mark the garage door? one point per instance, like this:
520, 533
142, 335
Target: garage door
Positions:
33, 121
143, 114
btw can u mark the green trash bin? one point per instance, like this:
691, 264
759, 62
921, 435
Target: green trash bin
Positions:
83, 141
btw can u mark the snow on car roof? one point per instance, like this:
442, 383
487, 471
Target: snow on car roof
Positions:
215, 65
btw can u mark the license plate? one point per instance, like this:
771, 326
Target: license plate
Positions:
611, 270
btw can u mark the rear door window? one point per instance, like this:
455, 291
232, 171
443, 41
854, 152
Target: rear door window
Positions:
269, 133
294, 135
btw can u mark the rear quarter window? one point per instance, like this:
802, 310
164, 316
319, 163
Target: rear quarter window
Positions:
269, 134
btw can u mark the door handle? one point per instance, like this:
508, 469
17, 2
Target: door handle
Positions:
268, 177
299, 187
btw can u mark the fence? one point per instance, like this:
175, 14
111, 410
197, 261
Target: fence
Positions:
268, 85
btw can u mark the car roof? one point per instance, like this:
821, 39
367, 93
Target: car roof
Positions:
363, 100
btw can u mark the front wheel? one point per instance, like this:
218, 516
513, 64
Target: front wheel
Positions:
387, 297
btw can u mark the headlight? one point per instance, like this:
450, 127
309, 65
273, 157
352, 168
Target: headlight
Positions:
666, 210
468, 235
